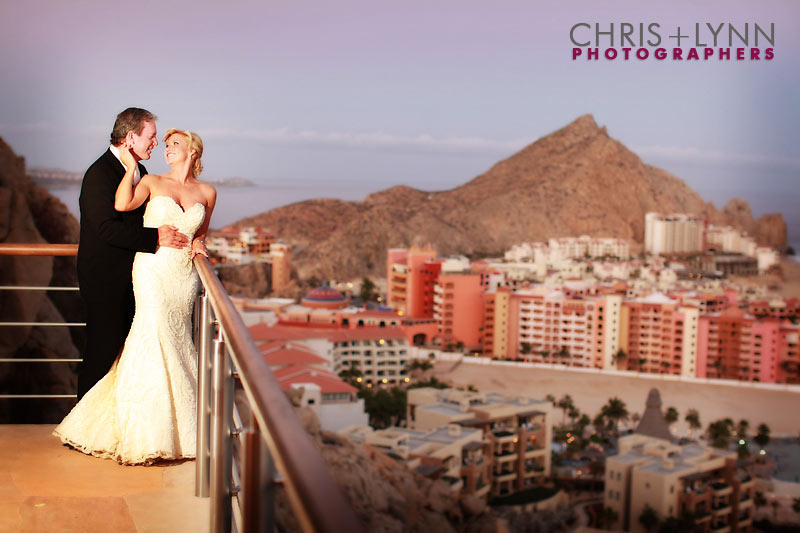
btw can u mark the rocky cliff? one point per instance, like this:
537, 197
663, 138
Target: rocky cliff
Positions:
386, 495
575, 181
29, 214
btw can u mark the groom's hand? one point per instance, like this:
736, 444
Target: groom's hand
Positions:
170, 236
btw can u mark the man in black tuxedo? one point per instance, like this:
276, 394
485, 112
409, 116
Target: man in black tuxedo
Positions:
108, 242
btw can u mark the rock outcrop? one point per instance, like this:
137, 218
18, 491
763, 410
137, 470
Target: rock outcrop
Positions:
29, 214
253, 280
575, 181
386, 495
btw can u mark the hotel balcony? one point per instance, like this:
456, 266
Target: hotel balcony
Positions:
721, 508
721, 488
721, 527
231, 486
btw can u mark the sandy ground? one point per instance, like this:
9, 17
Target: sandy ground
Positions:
778, 409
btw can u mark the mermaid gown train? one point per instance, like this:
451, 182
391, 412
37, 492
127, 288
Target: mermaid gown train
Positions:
143, 409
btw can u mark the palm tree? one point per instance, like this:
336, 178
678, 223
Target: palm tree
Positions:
619, 357
635, 417
565, 403
762, 438
719, 433
671, 416
599, 422
648, 518
741, 428
550, 398
583, 421
525, 348
615, 411
367, 292
693, 419
574, 414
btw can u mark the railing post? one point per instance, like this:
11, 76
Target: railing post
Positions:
221, 446
258, 486
204, 330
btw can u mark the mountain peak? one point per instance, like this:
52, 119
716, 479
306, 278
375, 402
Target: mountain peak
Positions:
574, 181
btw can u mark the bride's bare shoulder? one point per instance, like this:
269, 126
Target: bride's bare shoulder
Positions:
208, 190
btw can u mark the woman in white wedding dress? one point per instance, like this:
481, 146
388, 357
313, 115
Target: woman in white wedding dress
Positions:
144, 409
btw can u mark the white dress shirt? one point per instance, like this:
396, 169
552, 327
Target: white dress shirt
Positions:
136, 175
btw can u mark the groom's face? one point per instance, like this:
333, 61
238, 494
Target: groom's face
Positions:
143, 144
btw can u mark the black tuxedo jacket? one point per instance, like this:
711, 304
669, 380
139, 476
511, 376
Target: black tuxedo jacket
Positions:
109, 239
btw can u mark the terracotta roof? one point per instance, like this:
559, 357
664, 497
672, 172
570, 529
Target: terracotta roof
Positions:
290, 356
263, 332
327, 382
325, 294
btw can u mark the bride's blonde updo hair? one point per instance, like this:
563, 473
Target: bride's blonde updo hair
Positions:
195, 143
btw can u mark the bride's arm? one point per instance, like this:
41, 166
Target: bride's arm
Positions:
199, 242
128, 197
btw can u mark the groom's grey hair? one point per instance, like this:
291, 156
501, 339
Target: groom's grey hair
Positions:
132, 119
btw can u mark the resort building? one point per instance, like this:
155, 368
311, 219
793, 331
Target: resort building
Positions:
458, 308
659, 336
673, 234
452, 453
676, 481
410, 278
518, 430
380, 354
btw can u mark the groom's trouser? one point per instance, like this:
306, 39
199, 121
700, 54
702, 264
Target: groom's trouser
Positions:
109, 313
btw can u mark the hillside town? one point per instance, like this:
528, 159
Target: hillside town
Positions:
360, 355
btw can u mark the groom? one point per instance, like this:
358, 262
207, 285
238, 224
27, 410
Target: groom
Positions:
108, 242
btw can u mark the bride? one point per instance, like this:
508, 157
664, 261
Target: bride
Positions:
143, 409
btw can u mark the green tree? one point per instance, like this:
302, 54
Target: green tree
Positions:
741, 428
762, 438
565, 404
367, 293
615, 411
384, 407
526, 348
671, 416
693, 419
719, 434
648, 518
583, 421
352, 374
599, 422
620, 357
550, 398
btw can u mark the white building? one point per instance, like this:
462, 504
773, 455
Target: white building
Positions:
678, 233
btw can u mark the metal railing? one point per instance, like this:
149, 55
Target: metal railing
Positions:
38, 250
274, 448
273, 438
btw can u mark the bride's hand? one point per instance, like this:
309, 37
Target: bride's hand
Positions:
126, 157
199, 248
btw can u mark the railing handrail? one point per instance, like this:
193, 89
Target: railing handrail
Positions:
316, 499
27, 249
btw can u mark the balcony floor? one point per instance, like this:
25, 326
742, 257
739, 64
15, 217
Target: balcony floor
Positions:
45, 486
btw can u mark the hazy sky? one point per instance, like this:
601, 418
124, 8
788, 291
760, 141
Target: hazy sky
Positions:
349, 97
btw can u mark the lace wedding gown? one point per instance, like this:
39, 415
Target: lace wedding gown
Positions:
144, 408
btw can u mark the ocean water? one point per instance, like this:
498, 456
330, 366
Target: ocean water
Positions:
236, 203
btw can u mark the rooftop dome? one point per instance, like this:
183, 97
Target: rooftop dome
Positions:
323, 293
